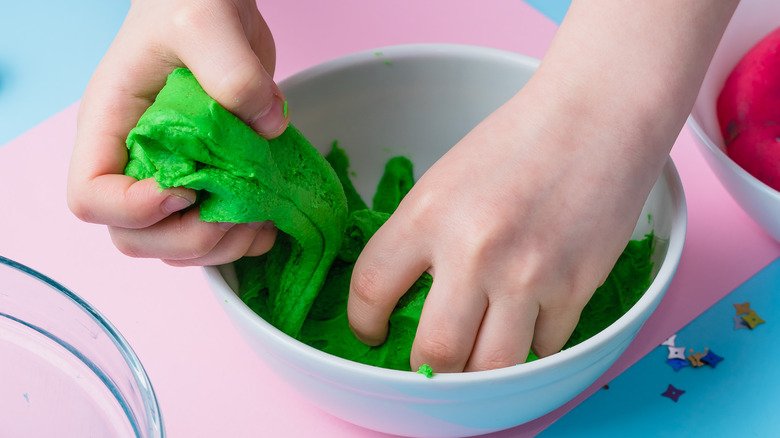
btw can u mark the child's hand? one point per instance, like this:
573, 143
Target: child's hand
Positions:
230, 50
524, 218
518, 225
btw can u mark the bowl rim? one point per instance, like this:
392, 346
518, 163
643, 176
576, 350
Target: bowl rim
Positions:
399, 51
722, 157
648, 300
144, 384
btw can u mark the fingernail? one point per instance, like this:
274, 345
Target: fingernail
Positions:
174, 203
273, 120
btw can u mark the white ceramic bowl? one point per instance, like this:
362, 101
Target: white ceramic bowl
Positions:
753, 20
419, 100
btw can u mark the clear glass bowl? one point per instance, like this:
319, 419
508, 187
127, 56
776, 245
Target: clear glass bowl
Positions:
64, 369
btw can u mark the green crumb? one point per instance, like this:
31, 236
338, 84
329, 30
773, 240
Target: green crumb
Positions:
285, 109
378, 54
649, 218
425, 370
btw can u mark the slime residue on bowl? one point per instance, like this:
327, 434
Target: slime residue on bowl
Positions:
301, 286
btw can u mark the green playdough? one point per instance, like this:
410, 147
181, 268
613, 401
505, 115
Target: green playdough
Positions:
301, 285
187, 139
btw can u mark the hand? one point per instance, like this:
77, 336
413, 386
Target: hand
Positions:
229, 48
524, 218
518, 225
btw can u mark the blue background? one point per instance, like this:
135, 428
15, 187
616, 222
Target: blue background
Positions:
41, 75
44, 75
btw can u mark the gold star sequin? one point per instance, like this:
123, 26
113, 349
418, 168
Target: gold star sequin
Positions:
752, 319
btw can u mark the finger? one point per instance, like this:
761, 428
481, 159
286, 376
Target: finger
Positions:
122, 201
121, 89
224, 62
505, 335
258, 34
237, 242
449, 323
180, 236
387, 267
264, 239
554, 326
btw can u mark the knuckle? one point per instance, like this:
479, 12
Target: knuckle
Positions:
80, 209
493, 361
198, 245
436, 351
122, 243
190, 16
365, 283
244, 86
420, 207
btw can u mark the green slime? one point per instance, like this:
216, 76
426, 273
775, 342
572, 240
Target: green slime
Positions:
187, 139
301, 286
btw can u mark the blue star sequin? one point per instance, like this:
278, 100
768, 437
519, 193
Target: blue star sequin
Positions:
678, 364
711, 358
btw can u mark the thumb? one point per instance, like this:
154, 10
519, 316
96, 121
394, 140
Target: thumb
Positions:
122, 201
224, 62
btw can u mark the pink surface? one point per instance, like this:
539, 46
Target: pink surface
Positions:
208, 381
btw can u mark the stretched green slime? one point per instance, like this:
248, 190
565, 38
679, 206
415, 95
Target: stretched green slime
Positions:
187, 139
301, 285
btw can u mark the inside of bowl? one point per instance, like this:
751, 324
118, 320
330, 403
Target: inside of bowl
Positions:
417, 103
752, 20
659, 214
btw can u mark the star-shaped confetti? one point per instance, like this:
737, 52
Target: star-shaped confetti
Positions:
678, 364
676, 353
695, 359
740, 323
711, 358
669, 342
742, 308
673, 393
752, 319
